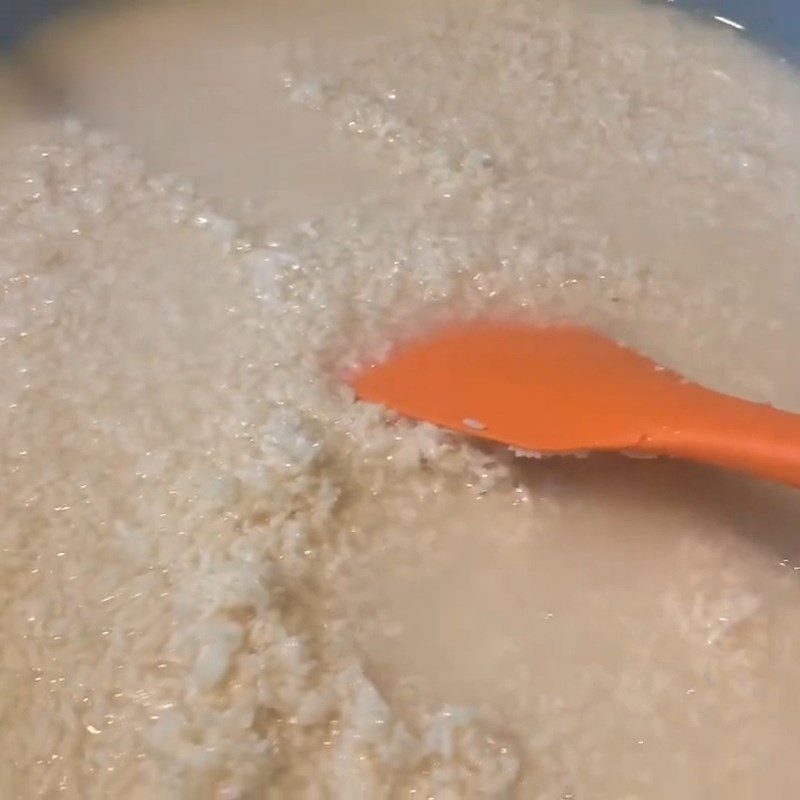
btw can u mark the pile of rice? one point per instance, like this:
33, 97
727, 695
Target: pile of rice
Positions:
182, 471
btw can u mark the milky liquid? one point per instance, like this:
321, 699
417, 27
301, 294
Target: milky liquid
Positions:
313, 598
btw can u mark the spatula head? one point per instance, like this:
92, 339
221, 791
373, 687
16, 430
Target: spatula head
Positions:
549, 389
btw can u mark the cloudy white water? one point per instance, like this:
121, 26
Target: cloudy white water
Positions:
222, 577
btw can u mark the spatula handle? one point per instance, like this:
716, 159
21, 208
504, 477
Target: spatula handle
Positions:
733, 433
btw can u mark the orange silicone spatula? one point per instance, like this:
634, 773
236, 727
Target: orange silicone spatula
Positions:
559, 389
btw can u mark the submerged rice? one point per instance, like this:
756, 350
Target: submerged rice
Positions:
206, 542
